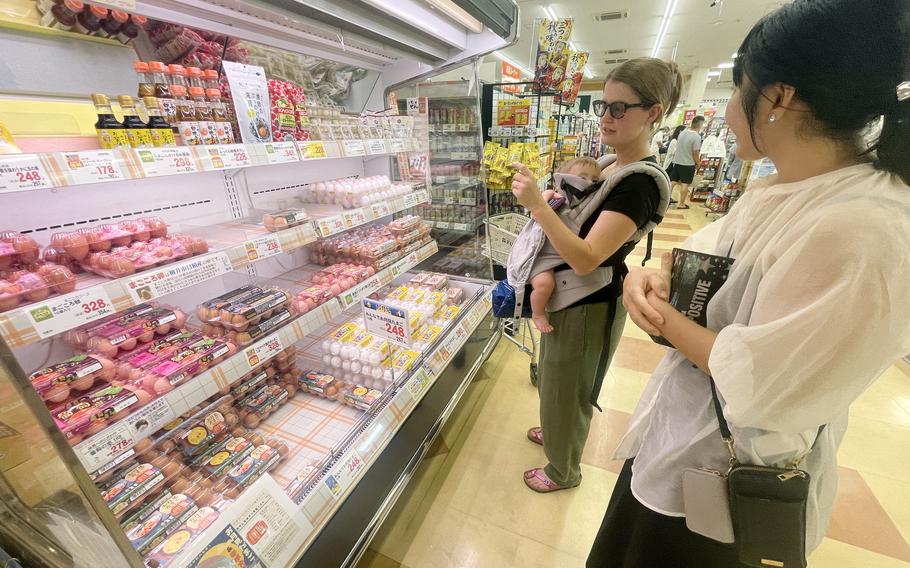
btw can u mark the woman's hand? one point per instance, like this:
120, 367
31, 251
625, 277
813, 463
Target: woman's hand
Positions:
643, 291
524, 188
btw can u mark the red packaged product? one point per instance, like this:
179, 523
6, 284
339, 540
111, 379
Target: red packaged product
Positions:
91, 413
16, 249
185, 363
141, 326
284, 116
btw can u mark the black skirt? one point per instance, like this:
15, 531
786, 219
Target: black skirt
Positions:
633, 536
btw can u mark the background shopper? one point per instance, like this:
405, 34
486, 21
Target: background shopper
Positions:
685, 160
815, 307
671, 147
575, 357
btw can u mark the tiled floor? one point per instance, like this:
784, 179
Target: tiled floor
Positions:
467, 506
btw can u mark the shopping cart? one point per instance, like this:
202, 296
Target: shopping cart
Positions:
502, 231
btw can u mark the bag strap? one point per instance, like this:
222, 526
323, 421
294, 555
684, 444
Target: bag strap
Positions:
727, 435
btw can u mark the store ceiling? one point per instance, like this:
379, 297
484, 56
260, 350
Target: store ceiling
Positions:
707, 35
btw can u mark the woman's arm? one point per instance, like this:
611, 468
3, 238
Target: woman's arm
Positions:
610, 231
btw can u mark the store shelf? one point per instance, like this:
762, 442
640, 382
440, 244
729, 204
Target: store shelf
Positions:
463, 201
114, 444
450, 128
473, 180
26, 172
454, 156
466, 228
333, 223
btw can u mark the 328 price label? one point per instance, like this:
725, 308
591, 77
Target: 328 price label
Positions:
93, 306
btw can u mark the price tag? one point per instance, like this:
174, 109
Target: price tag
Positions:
448, 127
387, 322
418, 384
169, 278
358, 292
262, 247
166, 161
460, 226
281, 152
422, 196
354, 148
466, 201
263, 350
331, 225
353, 218
380, 210
311, 149
92, 166
410, 200
398, 145
227, 156
344, 474
70, 311
104, 446
23, 172
376, 146
443, 225
413, 105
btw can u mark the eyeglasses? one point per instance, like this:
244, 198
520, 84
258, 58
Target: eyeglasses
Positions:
617, 109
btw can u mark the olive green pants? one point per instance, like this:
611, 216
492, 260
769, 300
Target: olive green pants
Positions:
571, 359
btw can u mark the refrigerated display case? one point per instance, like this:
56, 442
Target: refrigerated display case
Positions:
225, 348
458, 199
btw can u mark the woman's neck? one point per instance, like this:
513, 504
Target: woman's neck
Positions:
633, 152
803, 159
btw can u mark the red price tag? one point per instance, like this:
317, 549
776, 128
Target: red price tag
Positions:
22, 172
395, 329
93, 306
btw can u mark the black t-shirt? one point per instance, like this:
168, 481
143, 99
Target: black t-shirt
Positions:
636, 197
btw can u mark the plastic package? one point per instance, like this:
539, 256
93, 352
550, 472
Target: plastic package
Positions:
132, 487
125, 332
129, 364
185, 363
241, 314
354, 192
182, 537
54, 383
313, 296
360, 397
18, 287
266, 326
17, 249
88, 414
165, 519
210, 310
285, 218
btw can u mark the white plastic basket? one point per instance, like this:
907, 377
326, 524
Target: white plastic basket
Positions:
503, 230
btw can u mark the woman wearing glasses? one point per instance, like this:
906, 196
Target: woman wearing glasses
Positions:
813, 310
575, 357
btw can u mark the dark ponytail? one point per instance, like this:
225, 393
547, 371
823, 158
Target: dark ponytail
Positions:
846, 59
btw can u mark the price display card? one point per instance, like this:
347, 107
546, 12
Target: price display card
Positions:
312, 149
398, 145
354, 148
92, 166
223, 157
281, 152
354, 295
155, 283
376, 146
70, 311
387, 322
344, 474
262, 247
380, 210
330, 225
22, 172
263, 350
354, 217
412, 199
261, 529
166, 161
418, 383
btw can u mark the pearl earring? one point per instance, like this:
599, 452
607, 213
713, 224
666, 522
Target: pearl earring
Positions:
772, 118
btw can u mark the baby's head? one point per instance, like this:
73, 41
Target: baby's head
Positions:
583, 167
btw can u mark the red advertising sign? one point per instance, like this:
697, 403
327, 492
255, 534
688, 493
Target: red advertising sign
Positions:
510, 74
689, 115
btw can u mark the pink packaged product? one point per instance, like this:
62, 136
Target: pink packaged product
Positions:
185, 41
343, 275
170, 514
54, 383
184, 363
21, 286
91, 413
17, 249
404, 224
125, 332
284, 116
455, 296
130, 364
316, 295
143, 255
79, 337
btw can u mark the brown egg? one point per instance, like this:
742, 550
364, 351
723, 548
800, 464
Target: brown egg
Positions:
283, 450
167, 445
251, 420
256, 440
180, 485
204, 497
171, 469
205, 482
291, 388
238, 432
233, 493
222, 485
160, 461
95, 427
231, 419
142, 445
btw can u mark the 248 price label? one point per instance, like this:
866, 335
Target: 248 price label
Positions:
23, 172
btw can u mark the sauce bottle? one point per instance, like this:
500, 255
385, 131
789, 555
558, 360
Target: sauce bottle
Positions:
211, 82
163, 92
111, 133
44, 6
130, 29
176, 75
136, 130
89, 19
63, 16
159, 130
194, 77
222, 133
143, 74
111, 25
187, 125
203, 116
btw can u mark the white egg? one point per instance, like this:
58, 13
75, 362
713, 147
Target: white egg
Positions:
388, 377
355, 353
336, 348
336, 361
377, 373
355, 367
327, 359
345, 365
326, 345
365, 357
375, 358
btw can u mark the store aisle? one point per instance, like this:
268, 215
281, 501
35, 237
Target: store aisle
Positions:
468, 507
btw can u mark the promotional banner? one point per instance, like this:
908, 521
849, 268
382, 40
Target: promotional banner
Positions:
689, 115
510, 74
552, 53
513, 112
574, 74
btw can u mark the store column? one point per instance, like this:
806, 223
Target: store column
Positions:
696, 89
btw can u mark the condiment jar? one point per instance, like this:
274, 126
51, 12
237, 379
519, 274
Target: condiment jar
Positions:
63, 16
130, 29
89, 20
111, 25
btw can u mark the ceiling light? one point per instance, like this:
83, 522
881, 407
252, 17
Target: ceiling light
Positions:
455, 12
726, 65
708, 79
664, 24
735, 55
714, 73
550, 13
512, 63
588, 73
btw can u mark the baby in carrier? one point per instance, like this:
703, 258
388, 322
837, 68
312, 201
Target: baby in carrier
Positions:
543, 283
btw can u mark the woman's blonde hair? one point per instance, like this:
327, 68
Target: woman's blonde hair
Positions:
655, 81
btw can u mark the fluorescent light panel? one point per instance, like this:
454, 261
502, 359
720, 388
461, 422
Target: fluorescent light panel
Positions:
714, 73
454, 12
512, 63
550, 13
726, 65
664, 24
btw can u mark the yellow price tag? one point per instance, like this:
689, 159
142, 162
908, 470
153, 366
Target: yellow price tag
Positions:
314, 149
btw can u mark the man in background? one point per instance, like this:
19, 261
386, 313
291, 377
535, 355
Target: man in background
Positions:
685, 160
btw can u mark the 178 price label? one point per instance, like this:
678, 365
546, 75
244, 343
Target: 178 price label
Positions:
23, 172
92, 166
70, 311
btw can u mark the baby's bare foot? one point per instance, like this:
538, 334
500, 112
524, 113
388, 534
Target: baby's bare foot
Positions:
542, 323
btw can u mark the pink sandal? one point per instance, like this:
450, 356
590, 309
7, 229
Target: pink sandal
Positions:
538, 474
535, 434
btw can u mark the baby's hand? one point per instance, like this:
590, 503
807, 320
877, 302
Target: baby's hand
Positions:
548, 194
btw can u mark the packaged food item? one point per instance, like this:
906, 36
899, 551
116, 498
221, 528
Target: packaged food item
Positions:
309, 298
319, 383
455, 296
199, 435
138, 515
253, 382
7, 144
295, 489
129, 364
130, 29
260, 460
285, 218
262, 328
132, 487
251, 100
360, 397
261, 404
227, 453
62, 15
124, 332
210, 310
239, 315
177, 541
283, 112
89, 414
185, 363
169, 515
137, 132
78, 373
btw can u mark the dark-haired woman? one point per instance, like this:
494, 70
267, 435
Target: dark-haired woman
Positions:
671, 147
816, 305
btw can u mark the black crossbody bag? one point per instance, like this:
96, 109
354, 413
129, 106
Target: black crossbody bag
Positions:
767, 506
